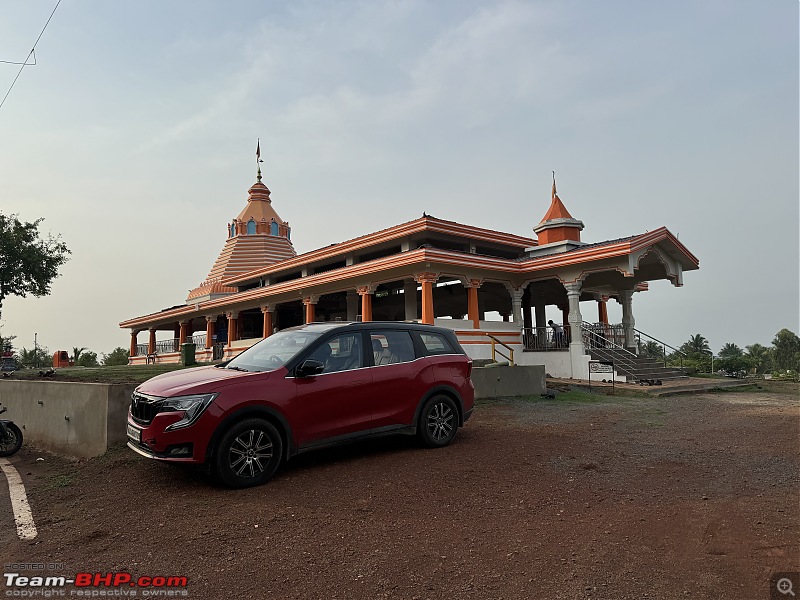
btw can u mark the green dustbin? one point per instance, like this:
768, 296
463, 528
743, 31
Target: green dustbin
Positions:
187, 354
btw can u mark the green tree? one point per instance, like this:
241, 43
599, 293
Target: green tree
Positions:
7, 343
76, 353
88, 359
696, 355
652, 350
118, 356
786, 351
36, 357
759, 357
697, 344
732, 359
28, 261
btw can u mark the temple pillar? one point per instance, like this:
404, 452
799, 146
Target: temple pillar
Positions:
366, 291
473, 312
576, 349
183, 332
151, 343
602, 311
628, 322
516, 304
310, 304
527, 317
267, 311
233, 327
426, 280
352, 305
540, 314
210, 331
134, 342
410, 299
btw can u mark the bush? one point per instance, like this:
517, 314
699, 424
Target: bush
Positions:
87, 358
118, 356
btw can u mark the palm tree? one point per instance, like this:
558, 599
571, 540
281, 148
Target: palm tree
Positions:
652, 350
731, 351
697, 344
76, 353
759, 357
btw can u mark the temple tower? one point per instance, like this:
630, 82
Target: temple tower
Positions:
256, 238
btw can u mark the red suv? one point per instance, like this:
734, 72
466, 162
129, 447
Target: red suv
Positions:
301, 389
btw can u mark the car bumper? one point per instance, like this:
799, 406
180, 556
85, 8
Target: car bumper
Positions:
153, 441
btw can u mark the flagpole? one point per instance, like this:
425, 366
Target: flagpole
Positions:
258, 157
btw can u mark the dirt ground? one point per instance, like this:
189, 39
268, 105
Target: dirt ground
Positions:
693, 496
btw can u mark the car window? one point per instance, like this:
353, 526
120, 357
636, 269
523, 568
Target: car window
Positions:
391, 347
273, 352
340, 353
436, 344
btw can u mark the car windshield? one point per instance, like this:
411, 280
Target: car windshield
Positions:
273, 352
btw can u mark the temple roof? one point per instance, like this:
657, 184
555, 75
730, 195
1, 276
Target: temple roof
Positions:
256, 237
259, 206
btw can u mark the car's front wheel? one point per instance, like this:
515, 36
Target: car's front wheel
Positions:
438, 421
248, 454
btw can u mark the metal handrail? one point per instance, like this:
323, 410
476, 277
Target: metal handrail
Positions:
591, 337
167, 346
198, 340
544, 339
664, 345
623, 357
495, 341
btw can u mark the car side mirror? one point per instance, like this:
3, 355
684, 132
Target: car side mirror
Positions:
310, 367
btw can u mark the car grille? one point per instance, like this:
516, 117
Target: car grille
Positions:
144, 407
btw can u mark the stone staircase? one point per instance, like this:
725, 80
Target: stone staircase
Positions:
636, 368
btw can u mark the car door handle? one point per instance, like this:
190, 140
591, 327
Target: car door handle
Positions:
359, 382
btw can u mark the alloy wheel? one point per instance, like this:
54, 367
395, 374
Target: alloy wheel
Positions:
440, 421
250, 452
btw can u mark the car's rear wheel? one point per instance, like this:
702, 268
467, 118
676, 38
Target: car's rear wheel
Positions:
438, 421
248, 454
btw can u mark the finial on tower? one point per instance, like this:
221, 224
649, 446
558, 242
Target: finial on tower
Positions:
258, 157
554, 186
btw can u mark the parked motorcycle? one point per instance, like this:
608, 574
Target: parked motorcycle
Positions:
10, 436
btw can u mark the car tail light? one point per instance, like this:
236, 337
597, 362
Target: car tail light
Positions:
469, 370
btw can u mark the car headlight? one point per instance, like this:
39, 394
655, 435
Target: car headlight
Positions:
192, 407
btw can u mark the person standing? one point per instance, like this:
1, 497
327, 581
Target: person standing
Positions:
558, 333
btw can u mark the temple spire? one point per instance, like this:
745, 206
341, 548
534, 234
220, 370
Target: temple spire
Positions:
258, 157
558, 225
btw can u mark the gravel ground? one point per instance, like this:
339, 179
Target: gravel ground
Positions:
683, 497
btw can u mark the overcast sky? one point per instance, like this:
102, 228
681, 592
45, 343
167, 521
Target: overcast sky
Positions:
134, 137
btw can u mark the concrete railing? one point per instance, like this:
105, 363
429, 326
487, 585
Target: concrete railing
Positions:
75, 419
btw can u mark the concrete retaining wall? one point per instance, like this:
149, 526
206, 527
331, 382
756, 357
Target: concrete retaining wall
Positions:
518, 380
83, 419
76, 419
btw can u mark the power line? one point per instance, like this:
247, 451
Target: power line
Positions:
25, 63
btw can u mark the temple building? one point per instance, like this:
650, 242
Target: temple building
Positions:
429, 270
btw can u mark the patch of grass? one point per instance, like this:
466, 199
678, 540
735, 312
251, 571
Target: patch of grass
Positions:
763, 386
59, 481
572, 396
135, 374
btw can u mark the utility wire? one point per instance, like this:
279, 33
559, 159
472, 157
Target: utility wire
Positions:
24, 64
